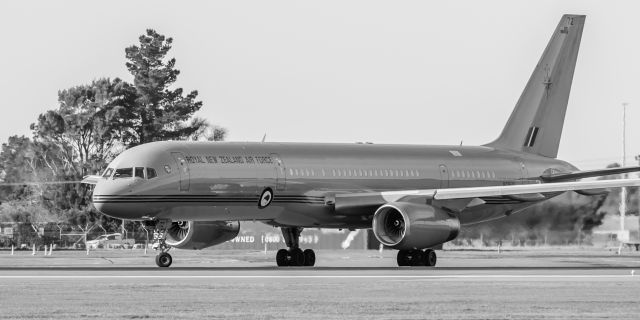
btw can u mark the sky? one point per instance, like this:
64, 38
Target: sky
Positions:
406, 72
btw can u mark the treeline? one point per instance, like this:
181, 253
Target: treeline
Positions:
566, 219
91, 125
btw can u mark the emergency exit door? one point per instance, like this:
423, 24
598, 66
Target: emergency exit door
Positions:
444, 176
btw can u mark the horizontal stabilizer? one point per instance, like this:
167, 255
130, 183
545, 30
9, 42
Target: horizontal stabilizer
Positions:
557, 177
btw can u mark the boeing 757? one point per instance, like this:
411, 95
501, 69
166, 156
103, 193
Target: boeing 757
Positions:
413, 197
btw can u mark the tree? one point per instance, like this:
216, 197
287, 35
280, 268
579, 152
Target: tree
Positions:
160, 113
88, 126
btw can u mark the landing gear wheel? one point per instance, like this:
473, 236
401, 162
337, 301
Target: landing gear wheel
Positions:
309, 258
419, 258
430, 258
282, 258
296, 257
265, 198
163, 259
403, 259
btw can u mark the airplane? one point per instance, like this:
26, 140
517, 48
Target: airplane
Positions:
412, 197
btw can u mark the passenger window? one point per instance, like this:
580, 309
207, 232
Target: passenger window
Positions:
139, 172
290, 171
123, 173
151, 173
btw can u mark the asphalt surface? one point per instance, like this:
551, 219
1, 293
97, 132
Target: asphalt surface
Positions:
554, 283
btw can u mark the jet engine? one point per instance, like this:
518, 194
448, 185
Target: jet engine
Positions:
198, 235
406, 226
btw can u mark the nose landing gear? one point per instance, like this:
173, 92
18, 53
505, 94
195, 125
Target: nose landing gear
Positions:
163, 259
294, 256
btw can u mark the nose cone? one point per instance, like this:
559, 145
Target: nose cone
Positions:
114, 198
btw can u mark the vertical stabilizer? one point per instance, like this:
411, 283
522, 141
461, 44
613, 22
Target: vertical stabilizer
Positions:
535, 125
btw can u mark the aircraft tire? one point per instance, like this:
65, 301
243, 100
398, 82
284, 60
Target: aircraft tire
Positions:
430, 258
419, 258
163, 260
309, 258
297, 257
403, 259
282, 258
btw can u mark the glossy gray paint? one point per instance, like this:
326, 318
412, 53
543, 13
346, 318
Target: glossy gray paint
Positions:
230, 191
223, 181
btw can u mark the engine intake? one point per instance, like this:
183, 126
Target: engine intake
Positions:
406, 226
198, 235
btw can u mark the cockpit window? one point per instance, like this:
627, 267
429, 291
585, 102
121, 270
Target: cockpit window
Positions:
107, 173
151, 173
139, 172
123, 173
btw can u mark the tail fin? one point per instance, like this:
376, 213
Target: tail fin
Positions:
535, 125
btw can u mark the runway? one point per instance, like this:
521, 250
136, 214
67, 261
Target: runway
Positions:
578, 284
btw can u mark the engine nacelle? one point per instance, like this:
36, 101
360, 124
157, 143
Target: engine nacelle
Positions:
406, 226
198, 235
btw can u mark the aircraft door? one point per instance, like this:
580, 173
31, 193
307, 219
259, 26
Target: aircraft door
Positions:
444, 176
280, 171
183, 169
524, 172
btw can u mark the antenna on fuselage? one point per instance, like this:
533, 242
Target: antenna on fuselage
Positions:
264, 137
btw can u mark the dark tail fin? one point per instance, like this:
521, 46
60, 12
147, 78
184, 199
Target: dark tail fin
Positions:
535, 125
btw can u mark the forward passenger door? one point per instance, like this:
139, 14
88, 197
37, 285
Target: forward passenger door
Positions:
183, 169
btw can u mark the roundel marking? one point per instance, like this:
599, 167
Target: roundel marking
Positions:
265, 198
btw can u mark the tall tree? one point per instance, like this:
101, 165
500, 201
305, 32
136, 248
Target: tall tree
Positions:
160, 113
89, 125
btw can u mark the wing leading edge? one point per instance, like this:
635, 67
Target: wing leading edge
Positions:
356, 202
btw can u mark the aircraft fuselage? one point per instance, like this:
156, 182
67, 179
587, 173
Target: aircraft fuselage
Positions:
207, 181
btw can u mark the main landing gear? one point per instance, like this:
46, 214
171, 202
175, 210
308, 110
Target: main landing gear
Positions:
417, 257
163, 259
294, 257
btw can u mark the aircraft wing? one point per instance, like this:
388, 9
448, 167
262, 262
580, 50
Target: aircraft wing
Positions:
90, 179
353, 203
